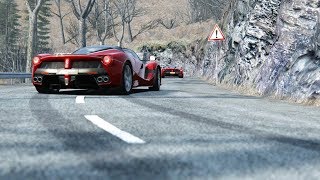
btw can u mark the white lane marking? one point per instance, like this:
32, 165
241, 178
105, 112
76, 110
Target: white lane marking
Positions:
127, 137
80, 99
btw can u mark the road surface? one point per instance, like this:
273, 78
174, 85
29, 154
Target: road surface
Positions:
188, 130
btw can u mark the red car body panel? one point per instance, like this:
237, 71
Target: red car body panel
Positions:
168, 71
91, 66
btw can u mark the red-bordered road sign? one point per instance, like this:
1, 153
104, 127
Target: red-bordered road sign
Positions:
216, 34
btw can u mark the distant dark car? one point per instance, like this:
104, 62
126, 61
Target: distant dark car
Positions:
94, 67
168, 71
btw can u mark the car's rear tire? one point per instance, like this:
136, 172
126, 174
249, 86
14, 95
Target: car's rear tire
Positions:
157, 81
127, 80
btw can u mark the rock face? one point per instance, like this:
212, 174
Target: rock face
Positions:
272, 46
179, 55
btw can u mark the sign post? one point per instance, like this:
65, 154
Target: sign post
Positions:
216, 36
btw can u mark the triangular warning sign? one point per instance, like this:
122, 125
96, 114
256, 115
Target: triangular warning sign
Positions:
216, 34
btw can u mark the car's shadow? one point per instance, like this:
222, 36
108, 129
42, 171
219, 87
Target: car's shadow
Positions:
99, 92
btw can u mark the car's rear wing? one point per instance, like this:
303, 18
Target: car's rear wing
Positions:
71, 57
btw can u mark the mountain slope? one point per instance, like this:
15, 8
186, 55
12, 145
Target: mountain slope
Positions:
152, 10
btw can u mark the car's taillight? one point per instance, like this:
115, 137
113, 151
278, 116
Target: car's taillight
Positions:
36, 61
107, 60
67, 64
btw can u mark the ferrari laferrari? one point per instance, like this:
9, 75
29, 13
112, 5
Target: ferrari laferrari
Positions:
95, 67
169, 71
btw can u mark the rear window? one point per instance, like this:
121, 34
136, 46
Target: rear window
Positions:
92, 49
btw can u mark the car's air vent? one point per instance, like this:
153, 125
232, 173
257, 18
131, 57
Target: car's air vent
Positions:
86, 64
52, 65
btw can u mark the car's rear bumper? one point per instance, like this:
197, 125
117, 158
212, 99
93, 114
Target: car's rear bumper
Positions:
172, 74
82, 71
72, 78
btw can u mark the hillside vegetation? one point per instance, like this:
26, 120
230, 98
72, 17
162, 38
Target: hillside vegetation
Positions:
183, 29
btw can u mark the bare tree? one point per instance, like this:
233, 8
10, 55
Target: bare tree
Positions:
131, 12
111, 18
100, 20
33, 13
81, 14
168, 23
73, 31
127, 11
119, 10
61, 17
147, 26
184, 15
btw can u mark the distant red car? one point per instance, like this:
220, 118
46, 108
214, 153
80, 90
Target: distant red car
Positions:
93, 68
167, 71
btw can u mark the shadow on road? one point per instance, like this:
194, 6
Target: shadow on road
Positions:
306, 144
146, 93
99, 92
72, 132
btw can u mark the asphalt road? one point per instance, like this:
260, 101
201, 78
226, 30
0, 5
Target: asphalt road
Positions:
188, 130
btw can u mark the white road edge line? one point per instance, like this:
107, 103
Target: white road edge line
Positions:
80, 99
127, 137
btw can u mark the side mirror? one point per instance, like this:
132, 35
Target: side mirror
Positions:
152, 58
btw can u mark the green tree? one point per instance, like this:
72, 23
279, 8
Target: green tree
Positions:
33, 8
9, 36
43, 29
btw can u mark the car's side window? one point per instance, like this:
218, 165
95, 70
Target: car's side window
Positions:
134, 55
129, 53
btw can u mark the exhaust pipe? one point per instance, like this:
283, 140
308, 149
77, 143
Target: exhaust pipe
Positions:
105, 79
99, 79
35, 79
39, 79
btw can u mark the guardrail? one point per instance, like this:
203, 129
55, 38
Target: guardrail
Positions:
5, 75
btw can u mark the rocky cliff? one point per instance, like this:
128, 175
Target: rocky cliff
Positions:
272, 47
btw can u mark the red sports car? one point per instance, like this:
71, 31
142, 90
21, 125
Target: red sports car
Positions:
95, 67
168, 71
